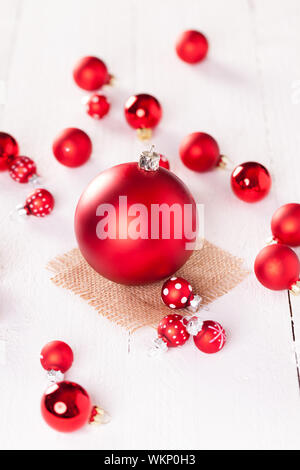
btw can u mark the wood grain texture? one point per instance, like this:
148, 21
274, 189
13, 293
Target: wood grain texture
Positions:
245, 397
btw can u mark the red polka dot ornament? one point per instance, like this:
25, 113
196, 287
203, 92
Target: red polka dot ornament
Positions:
251, 181
97, 106
72, 147
192, 46
164, 162
200, 152
143, 112
9, 149
285, 225
177, 293
91, 74
171, 333
39, 203
23, 170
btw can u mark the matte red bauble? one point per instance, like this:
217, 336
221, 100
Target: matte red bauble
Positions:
192, 46
250, 181
119, 229
285, 224
143, 112
8, 150
200, 152
66, 406
56, 355
90, 73
211, 338
277, 267
72, 147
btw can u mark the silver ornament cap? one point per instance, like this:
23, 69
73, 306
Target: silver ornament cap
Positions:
149, 160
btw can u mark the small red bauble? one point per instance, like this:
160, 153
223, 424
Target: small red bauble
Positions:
72, 147
22, 169
200, 152
211, 338
56, 355
277, 267
176, 292
163, 162
97, 106
192, 46
285, 224
250, 181
9, 149
66, 406
91, 73
172, 331
143, 112
39, 203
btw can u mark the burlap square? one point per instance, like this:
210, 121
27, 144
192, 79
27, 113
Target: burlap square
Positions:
211, 271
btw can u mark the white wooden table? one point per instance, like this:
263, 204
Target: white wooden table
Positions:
247, 95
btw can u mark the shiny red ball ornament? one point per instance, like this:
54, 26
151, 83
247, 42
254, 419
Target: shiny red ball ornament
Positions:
172, 330
200, 152
9, 149
211, 338
163, 162
66, 406
22, 169
56, 355
97, 106
143, 112
192, 46
285, 224
277, 267
251, 181
90, 73
72, 147
39, 203
117, 227
176, 292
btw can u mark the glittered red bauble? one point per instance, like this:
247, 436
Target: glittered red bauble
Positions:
91, 73
172, 330
142, 111
39, 203
56, 355
199, 152
250, 181
176, 292
192, 46
8, 150
97, 106
211, 338
22, 169
72, 147
163, 162
66, 406
114, 224
277, 267
285, 224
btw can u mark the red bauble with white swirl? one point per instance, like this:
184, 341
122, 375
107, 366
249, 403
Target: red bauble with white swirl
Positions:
192, 46
172, 330
117, 230
9, 149
251, 181
39, 203
143, 111
285, 224
72, 147
176, 292
22, 169
56, 355
66, 406
90, 73
97, 106
200, 152
164, 162
211, 338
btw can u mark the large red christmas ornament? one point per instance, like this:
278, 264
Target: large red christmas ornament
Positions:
118, 222
277, 267
72, 147
57, 356
211, 338
163, 162
39, 203
200, 152
172, 331
143, 112
22, 170
285, 224
66, 406
91, 73
250, 181
192, 46
97, 106
177, 292
9, 149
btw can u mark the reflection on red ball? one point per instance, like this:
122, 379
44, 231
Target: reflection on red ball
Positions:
251, 181
66, 406
199, 152
56, 355
90, 73
277, 267
285, 224
192, 46
211, 338
142, 111
8, 150
72, 147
